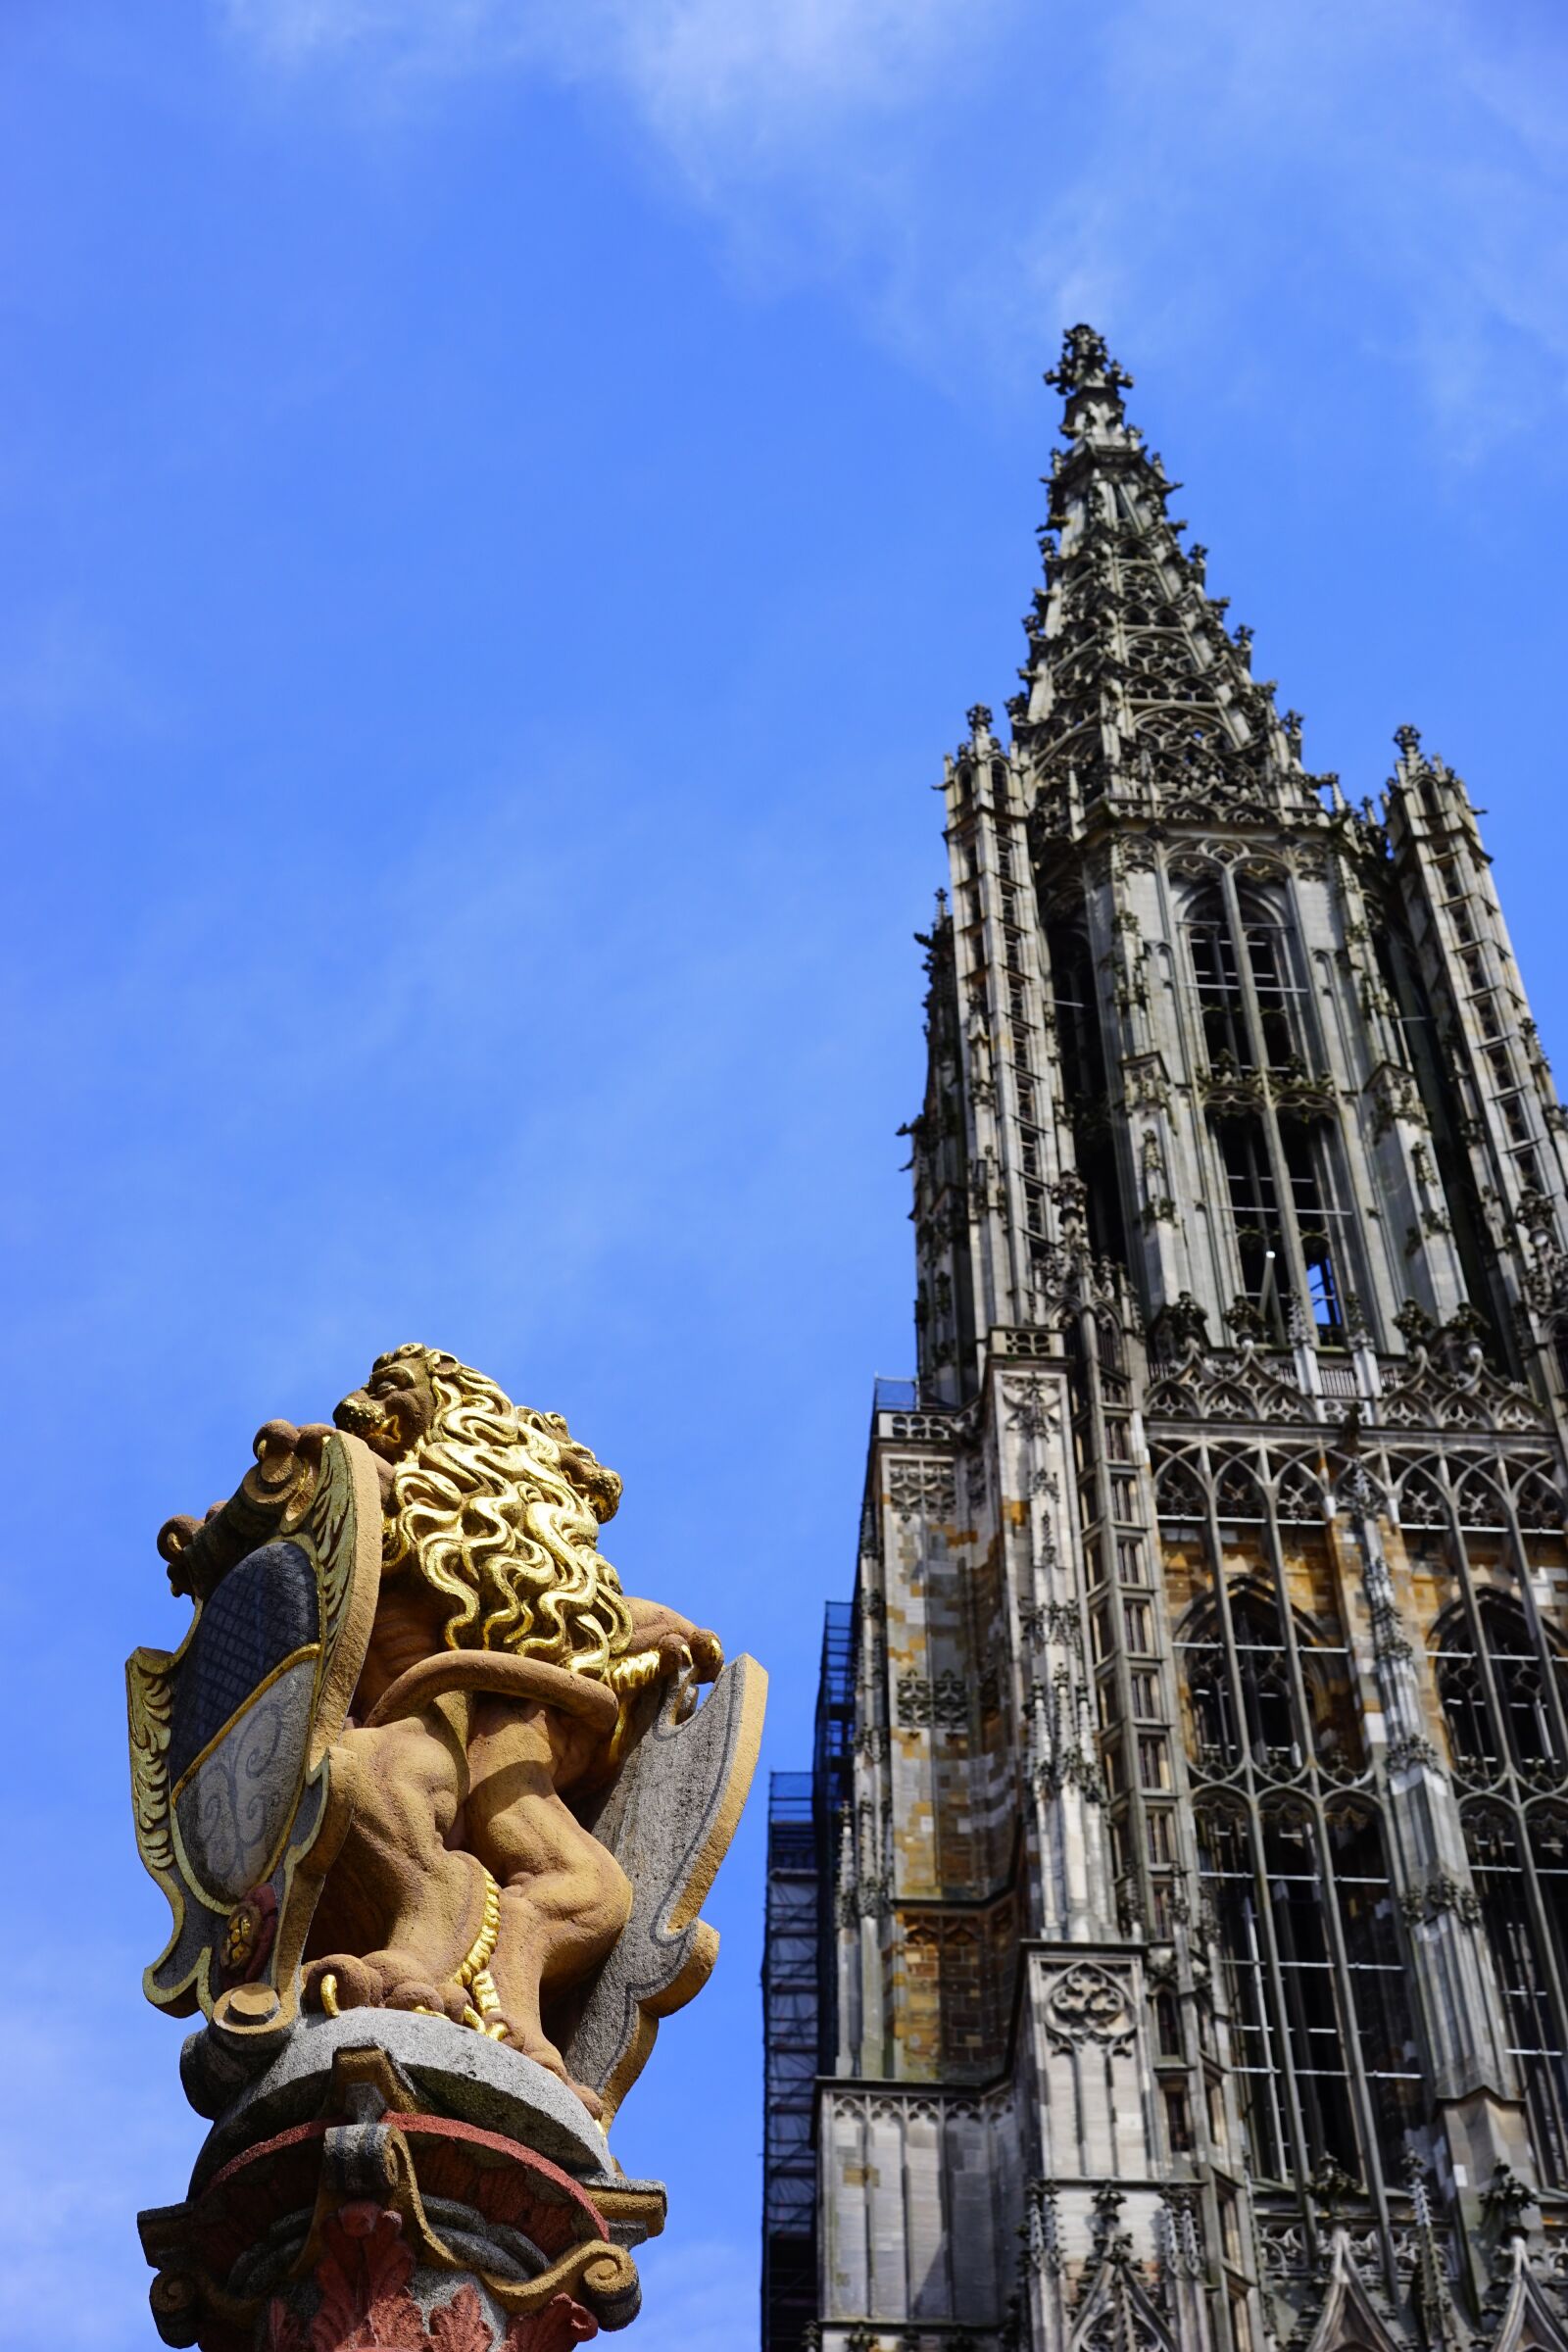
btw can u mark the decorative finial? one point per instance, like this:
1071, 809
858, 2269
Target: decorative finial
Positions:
1505, 2200
1408, 740
1332, 2187
978, 717
1084, 362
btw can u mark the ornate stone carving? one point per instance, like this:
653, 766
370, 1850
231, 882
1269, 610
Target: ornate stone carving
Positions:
1410, 1751
1219, 1385
1086, 2005
941, 1703
922, 1487
1032, 1407
1445, 1382
1042, 2229
422, 2228
421, 1766
1441, 1894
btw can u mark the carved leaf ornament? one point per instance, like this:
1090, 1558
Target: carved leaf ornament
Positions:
363, 2280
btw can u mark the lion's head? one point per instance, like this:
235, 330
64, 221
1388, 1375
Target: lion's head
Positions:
497, 1508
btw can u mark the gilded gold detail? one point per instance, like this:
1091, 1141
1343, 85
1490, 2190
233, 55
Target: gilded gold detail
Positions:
480, 1680
474, 1978
497, 1512
149, 1704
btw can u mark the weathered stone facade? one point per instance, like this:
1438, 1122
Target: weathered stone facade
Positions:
1192, 1896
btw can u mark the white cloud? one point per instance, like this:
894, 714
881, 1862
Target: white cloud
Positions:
737, 68
977, 173
1383, 161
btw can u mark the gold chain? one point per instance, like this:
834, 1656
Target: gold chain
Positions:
474, 1977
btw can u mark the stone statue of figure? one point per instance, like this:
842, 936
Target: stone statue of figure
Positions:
420, 1751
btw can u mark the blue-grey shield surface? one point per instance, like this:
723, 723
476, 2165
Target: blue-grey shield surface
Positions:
240, 1721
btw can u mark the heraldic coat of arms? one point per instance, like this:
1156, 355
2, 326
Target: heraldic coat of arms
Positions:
435, 1806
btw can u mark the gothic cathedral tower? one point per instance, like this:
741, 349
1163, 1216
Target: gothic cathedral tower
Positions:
1169, 1949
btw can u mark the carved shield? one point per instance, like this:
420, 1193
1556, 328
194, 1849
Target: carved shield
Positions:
229, 1735
668, 1820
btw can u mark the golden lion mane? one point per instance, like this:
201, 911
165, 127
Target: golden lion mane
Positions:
498, 1510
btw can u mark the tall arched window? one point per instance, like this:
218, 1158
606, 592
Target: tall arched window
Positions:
1504, 1702
1216, 972
1248, 955
1282, 1169
1075, 1003
1297, 1878
1245, 1709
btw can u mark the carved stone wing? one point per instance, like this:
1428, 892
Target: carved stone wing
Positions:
668, 1821
229, 1735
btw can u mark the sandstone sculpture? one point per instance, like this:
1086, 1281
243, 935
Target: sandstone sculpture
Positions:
420, 1757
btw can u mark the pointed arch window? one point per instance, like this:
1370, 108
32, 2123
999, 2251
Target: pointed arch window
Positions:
1217, 971
1323, 2042
1287, 1210
1075, 1005
1297, 1878
1250, 1000
1502, 1712
1240, 1691
1503, 1699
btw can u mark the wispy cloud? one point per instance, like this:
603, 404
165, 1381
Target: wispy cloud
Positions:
1388, 167
694, 67
976, 173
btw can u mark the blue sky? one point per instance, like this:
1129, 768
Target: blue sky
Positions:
505, 506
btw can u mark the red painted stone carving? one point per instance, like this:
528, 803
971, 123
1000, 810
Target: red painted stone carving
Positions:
363, 2280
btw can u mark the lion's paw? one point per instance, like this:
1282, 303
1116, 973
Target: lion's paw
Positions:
339, 1981
435, 2000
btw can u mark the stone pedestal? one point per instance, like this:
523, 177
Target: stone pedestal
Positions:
384, 2178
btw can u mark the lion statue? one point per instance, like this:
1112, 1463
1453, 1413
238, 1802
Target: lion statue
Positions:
504, 1675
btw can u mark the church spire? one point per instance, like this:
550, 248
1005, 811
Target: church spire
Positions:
1137, 694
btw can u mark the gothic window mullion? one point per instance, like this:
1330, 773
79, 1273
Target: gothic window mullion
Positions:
1258, 1218
1551, 1697
1549, 1958
1259, 1057
1294, 1272
1299, 1702
1134, 1823
1315, 1160
1481, 1649
1541, 1960
1281, 2001
1363, 2103
1221, 1011
1292, 1982
1294, 1282
1296, 965
1276, 992
1225, 1621
1278, 2007
1523, 1929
